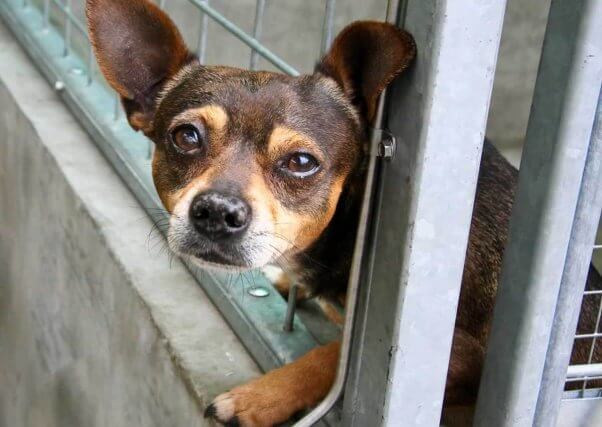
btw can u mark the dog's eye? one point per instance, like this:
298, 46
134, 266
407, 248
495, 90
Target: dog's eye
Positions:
186, 138
300, 164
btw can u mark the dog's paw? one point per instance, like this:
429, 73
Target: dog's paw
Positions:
253, 405
223, 410
246, 407
282, 282
280, 394
274, 274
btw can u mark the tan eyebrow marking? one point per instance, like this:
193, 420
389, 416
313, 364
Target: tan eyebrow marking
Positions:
195, 186
283, 138
214, 116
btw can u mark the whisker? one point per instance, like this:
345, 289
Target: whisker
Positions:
301, 251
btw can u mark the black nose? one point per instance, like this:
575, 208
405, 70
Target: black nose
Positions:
219, 216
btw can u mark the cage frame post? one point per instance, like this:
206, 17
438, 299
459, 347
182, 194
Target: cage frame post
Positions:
556, 146
583, 234
438, 114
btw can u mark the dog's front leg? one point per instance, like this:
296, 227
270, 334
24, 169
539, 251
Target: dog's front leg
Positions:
276, 396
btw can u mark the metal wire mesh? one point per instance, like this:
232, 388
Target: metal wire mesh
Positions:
68, 17
588, 376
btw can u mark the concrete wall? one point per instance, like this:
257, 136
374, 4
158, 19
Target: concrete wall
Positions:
96, 327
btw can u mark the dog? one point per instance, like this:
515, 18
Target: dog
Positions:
257, 167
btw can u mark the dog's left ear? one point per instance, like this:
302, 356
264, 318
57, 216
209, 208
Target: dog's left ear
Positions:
138, 49
364, 58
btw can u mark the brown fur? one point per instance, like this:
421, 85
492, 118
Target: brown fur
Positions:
155, 55
356, 54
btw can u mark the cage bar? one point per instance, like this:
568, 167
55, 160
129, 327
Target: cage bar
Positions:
593, 335
584, 371
71, 17
556, 146
46, 13
245, 38
401, 356
68, 24
597, 335
584, 378
91, 63
116, 107
327, 26
290, 308
257, 29
573, 282
202, 43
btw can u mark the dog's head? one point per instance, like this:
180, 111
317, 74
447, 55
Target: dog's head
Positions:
250, 165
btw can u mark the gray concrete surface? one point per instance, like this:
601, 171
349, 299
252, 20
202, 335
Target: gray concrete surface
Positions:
96, 327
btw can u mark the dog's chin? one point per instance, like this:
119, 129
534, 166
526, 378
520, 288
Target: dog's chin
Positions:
217, 260
216, 263
223, 256
216, 266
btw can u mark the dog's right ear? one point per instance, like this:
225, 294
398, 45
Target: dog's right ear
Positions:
138, 48
364, 58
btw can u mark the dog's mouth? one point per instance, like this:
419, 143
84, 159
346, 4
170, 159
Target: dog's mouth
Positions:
210, 255
255, 250
218, 259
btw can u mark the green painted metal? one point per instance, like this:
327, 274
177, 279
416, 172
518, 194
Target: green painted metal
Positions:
257, 321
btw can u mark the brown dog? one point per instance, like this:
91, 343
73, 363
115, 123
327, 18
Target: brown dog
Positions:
258, 167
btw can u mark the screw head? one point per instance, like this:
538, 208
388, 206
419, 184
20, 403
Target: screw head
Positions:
59, 85
77, 71
386, 148
258, 291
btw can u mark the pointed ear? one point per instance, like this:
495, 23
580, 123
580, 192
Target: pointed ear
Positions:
138, 48
364, 58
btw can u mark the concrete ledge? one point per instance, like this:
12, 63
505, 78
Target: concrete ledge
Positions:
97, 328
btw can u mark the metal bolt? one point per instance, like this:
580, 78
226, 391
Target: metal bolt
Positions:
59, 85
386, 148
77, 71
258, 291
289, 319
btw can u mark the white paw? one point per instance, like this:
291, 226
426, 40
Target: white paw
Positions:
273, 274
222, 409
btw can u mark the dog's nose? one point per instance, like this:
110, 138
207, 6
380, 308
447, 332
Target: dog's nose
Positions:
218, 216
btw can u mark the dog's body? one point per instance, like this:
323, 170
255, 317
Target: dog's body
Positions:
257, 167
